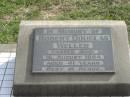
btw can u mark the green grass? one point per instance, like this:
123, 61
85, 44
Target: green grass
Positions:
13, 11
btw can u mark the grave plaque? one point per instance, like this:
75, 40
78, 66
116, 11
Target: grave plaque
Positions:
72, 58
72, 49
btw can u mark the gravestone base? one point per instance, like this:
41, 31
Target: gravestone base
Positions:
28, 81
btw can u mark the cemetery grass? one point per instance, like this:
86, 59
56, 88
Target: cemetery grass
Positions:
13, 11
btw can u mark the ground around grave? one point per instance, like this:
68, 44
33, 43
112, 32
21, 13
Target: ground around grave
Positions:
13, 11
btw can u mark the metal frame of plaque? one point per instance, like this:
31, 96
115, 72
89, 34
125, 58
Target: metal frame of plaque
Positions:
72, 49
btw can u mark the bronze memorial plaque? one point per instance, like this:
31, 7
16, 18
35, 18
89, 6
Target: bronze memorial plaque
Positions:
72, 49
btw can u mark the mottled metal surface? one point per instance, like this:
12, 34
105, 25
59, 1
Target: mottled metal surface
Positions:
75, 49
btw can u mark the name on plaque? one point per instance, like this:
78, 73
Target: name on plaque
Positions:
72, 49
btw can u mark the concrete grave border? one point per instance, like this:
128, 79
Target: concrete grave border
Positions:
26, 83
